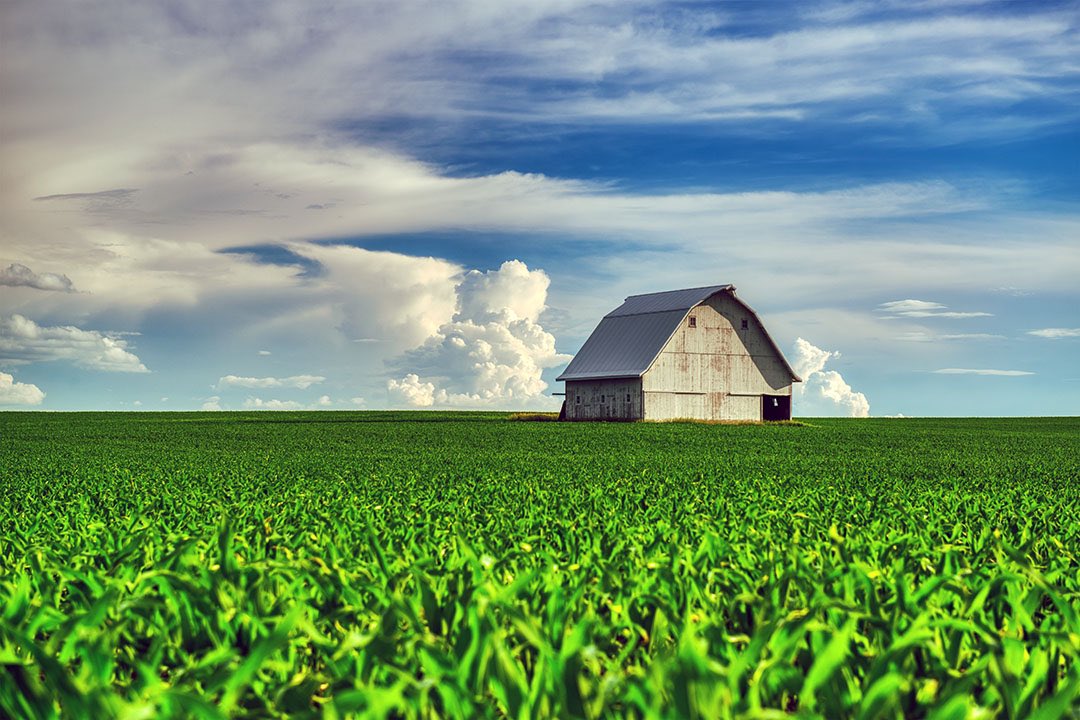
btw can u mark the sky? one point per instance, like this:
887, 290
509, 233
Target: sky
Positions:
416, 204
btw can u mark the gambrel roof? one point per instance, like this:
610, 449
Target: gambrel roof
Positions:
628, 339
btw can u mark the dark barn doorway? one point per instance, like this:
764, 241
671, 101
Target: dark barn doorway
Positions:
775, 407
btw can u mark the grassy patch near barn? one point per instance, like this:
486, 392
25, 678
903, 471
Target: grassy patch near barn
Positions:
462, 564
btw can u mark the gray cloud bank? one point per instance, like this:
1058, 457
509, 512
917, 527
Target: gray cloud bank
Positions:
17, 275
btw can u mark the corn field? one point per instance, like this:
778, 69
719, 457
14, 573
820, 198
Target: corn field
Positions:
423, 565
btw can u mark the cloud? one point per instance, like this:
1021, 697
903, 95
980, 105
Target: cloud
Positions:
16, 275
22, 341
923, 309
324, 401
824, 392
254, 403
492, 352
411, 391
923, 336
211, 404
115, 194
399, 299
576, 60
17, 393
301, 382
264, 353
973, 371
1055, 333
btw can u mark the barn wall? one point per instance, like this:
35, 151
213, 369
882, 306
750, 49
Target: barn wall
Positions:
604, 399
716, 370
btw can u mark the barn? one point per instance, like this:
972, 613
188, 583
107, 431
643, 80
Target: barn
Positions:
700, 353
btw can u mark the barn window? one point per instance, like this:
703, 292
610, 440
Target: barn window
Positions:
601, 398
627, 397
577, 400
693, 321
745, 323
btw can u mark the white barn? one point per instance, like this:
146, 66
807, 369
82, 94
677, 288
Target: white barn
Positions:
699, 353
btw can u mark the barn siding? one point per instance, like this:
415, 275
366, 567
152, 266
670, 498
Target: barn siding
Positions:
604, 399
716, 370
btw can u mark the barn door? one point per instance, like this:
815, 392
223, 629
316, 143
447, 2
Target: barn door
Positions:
775, 407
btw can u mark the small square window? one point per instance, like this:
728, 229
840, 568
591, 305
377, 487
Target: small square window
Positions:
693, 321
745, 324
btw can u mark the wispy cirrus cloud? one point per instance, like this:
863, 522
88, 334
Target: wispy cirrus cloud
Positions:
115, 194
927, 337
924, 309
982, 371
1055, 333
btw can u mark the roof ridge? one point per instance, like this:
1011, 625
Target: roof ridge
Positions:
724, 286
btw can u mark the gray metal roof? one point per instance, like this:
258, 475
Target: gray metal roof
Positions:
629, 338
667, 301
623, 345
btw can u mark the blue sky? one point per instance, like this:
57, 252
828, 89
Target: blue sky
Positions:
413, 204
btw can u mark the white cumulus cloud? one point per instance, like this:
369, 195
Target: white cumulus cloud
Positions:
254, 403
22, 341
17, 275
212, 403
410, 390
301, 382
491, 353
824, 392
17, 393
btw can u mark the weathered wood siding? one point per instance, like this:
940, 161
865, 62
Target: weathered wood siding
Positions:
716, 370
618, 399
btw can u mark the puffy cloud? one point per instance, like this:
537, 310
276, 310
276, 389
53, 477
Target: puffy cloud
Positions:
513, 292
493, 351
1055, 333
254, 403
396, 298
324, 401
22, 340
16, 275
212, 403
410, 390
982, 371
17, 393
924, 309
822, 391
301, 382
